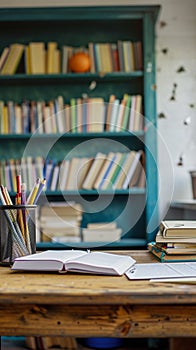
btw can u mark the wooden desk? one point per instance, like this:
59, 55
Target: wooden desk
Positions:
87, 306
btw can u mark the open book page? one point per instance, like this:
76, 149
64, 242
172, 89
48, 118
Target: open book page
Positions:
101, 263
50, 260
162, 270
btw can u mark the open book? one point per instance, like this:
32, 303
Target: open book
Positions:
76, 261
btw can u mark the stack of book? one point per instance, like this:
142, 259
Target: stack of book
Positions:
175, 241
101, 232
60, 222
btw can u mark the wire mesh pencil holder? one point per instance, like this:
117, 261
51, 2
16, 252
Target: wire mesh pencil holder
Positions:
17, 232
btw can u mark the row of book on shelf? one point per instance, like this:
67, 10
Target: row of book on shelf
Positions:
175, 241
49, 58
114, 170
86, 114
61, 222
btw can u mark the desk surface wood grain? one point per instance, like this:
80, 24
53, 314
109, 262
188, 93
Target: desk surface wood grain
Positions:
88, 305
75, 288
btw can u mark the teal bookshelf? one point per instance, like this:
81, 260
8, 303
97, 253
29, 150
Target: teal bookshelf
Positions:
136, 210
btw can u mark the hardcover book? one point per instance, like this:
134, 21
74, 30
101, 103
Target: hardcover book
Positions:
160, 239
164, 257
176, 250
12, 59
177, 228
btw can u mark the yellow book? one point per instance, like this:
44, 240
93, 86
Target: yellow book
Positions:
51, 48
95, 114
1, 116
13, 59
37, 57
4, 56
5, 129
27, 60
106, 59
57, 61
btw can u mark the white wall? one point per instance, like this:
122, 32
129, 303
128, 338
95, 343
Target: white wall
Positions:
176, 32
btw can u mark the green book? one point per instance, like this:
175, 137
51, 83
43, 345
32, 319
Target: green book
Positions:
73, 115
117, 171
126, 113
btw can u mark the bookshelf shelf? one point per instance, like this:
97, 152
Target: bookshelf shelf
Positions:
133, 190
73, 76
76, 27
79, 135
52, 194
122, 244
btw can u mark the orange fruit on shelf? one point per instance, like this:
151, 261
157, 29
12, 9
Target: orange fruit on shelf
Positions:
79, 62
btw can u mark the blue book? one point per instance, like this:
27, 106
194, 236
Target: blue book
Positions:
48, 172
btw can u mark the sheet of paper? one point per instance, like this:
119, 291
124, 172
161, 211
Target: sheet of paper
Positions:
162, 270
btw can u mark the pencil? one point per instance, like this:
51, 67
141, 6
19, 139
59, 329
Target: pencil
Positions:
40, 189
33, 192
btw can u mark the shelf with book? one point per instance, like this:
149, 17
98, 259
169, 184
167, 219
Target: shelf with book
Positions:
115, 23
